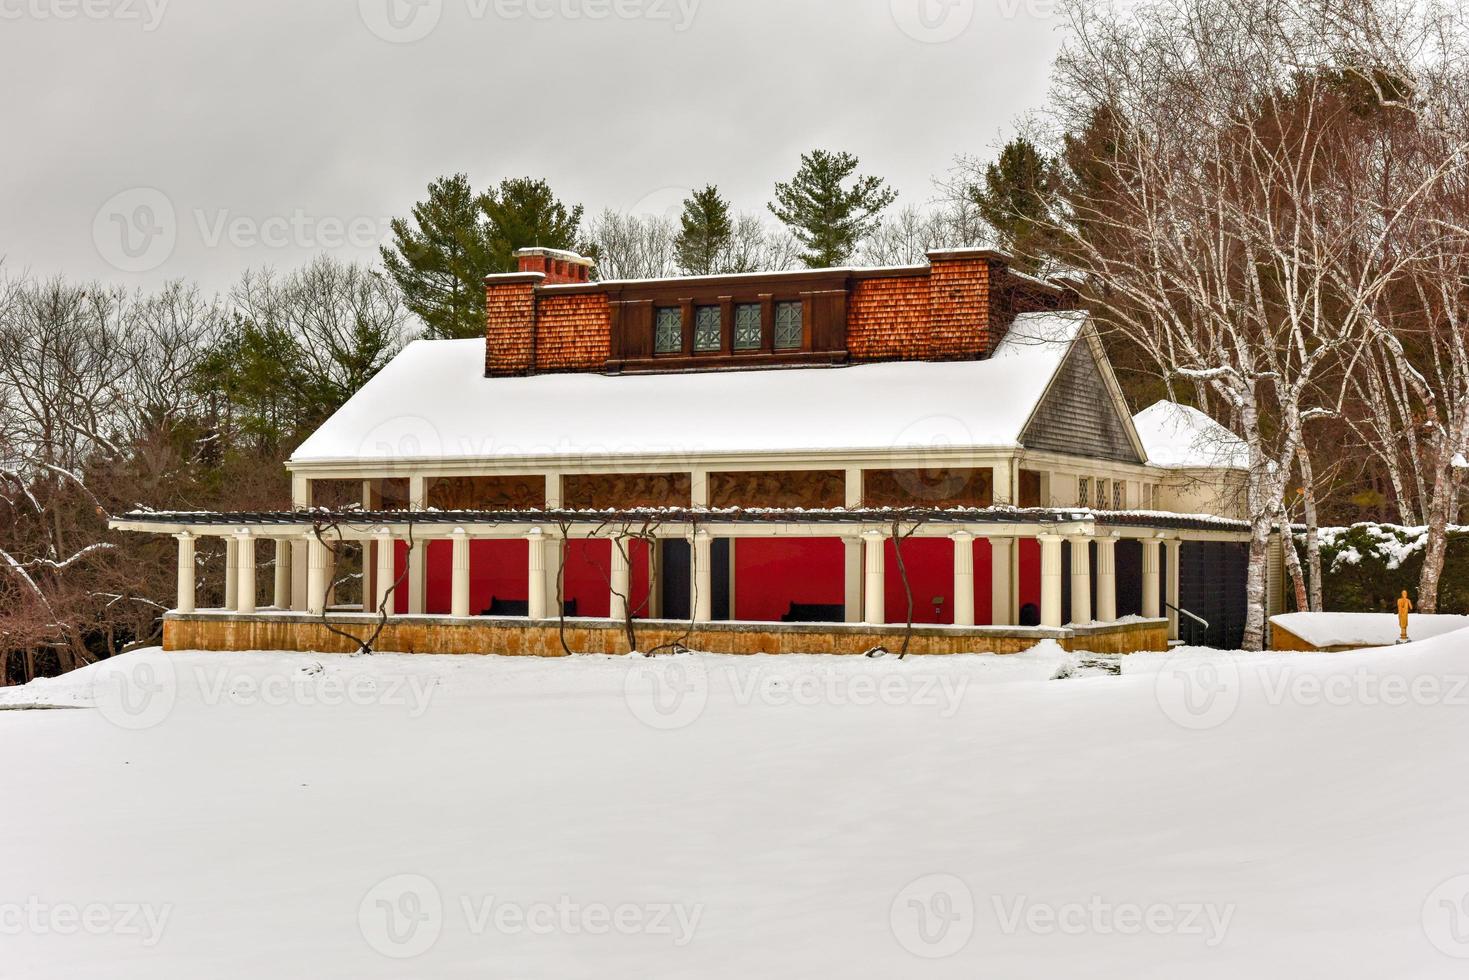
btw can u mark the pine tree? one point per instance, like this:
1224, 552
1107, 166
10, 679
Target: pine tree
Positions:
703, 243
826, 217
1018, 200
523, 212
439, 259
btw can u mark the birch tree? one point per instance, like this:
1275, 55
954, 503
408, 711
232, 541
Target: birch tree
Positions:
1217, 226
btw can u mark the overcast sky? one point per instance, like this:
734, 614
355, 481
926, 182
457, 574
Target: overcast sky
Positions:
146, 140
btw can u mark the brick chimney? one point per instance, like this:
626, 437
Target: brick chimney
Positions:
560, 268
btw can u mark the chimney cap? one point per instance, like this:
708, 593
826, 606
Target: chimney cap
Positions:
559, 254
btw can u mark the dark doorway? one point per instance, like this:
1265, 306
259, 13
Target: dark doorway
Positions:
1129, 577
675, 572
1211, 585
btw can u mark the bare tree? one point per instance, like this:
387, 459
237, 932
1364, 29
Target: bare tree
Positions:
1217, 225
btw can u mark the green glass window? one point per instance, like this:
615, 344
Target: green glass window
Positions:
788, 332
668, 330
708, 328
747, 326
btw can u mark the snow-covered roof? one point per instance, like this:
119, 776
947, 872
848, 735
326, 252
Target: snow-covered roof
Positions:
432, 402
1179, 437
1365, 629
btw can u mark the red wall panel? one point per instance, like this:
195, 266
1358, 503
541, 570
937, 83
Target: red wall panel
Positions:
1030, 573
772, 573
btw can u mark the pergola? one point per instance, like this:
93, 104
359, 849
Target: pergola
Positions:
865, 533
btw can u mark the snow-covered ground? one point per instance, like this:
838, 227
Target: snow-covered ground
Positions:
287, 816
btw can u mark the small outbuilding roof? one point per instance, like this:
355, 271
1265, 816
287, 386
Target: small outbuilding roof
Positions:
1179, 437
433, 402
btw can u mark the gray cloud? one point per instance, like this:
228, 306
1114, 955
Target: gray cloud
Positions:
151, 139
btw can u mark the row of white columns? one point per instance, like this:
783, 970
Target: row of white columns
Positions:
241, 585
1052, 615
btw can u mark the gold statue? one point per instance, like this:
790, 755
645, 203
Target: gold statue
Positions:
1405, 606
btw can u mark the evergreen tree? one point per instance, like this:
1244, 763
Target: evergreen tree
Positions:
1018, 200
523, 212
439, 259
828, 218
706, 235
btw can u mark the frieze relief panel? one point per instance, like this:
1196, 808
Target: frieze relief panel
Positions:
819, 489
624, 491
487, 493
943, 487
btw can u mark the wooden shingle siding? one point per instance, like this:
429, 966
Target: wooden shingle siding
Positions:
573, 332
887, 319
1078, 416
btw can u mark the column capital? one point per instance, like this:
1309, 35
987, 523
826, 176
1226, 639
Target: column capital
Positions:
960, 537
872, 534
184, 536
459, 532
243, 534
1049, 536
535, 534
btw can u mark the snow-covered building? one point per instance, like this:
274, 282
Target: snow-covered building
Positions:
781, 460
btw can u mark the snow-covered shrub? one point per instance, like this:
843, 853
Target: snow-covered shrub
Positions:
1364, 568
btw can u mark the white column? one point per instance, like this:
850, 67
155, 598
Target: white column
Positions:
963, 578
852, 566
703, 550
299, 575
1175, 549
699, 488
417, 581
186, 600
231, 573
1002, 600
537, 574
280, 593
1051, 580
621, 579
316, 580
417, 577
1152, 608
1107, 578
245, 554
459, 584
1081, 579
387, 573
330, 573
875, 592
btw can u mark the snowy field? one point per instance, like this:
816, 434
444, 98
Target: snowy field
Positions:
289, 816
